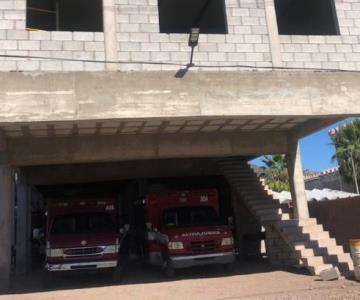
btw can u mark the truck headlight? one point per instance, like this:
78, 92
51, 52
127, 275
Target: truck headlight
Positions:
110, 249
175, 245
54, 252
228, 241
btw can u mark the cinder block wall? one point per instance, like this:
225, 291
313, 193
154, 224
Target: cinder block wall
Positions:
328, 52
16, 40
138, 39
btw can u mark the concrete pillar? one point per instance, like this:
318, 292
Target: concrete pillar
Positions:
110, 39
296, 178
6, 224
23, 225
273, 32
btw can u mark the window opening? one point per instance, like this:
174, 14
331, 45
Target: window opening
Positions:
179, 16
64, 15
307, 17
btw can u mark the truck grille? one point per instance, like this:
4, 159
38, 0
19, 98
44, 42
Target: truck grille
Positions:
83, 251
202, 246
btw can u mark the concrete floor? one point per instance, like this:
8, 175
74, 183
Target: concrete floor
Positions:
250, 280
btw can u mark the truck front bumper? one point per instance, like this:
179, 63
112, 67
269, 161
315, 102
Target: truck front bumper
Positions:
179, 262
93, 265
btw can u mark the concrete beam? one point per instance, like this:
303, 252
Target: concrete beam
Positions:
296, 179
273, 31
31, 97
97, 172
312, 126
110, 39
6, 225
84, 149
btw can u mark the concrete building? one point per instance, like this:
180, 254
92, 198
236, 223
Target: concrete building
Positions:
113, 93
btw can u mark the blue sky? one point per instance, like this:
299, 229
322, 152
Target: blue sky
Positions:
316, 150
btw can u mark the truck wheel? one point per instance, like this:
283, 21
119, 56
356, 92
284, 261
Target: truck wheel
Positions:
47, 280
229, 268
116, 274
169, 270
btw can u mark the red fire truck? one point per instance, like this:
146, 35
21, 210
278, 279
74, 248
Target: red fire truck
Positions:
184, 229
81, 234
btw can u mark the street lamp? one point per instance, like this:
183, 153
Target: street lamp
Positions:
193, 42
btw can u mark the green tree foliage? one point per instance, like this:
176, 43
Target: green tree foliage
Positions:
275, 173
347, 144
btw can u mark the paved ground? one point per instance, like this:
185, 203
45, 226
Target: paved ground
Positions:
248, 281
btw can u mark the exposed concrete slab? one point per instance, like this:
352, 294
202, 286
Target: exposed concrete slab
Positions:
81, 149
27, 97
97, 172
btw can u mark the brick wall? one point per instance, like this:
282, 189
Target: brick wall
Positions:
328, 52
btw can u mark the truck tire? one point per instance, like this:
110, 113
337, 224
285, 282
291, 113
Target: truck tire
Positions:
229, 268
116, 274
169, 270
47, 280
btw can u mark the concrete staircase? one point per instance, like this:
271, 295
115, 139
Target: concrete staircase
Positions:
309, 243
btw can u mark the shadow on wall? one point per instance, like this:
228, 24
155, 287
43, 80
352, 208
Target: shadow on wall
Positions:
340, 217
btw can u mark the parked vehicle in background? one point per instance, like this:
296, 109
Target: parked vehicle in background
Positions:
184, 229
81, 235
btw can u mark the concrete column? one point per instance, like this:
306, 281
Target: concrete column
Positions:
296, 178
23, 225
6, 224
273, 31
110, 39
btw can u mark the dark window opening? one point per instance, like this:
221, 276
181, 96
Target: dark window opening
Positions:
65, 15
178, 16
307, 17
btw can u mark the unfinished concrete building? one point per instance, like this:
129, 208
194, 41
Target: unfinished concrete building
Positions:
108, 93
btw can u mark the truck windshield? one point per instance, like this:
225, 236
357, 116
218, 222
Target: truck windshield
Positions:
82, 223
191, 216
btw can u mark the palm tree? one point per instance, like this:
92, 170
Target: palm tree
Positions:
276, 175
346, 140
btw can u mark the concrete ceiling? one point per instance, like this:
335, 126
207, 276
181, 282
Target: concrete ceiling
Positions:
153, 126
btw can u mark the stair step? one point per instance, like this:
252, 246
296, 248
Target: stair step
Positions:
338, 259
258, 197
317, 251
265, 206
268, 211
321, 243
255, 203
274, 218
314, 236
300, 229
298, 222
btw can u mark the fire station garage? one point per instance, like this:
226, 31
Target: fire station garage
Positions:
60, 195
87, 184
